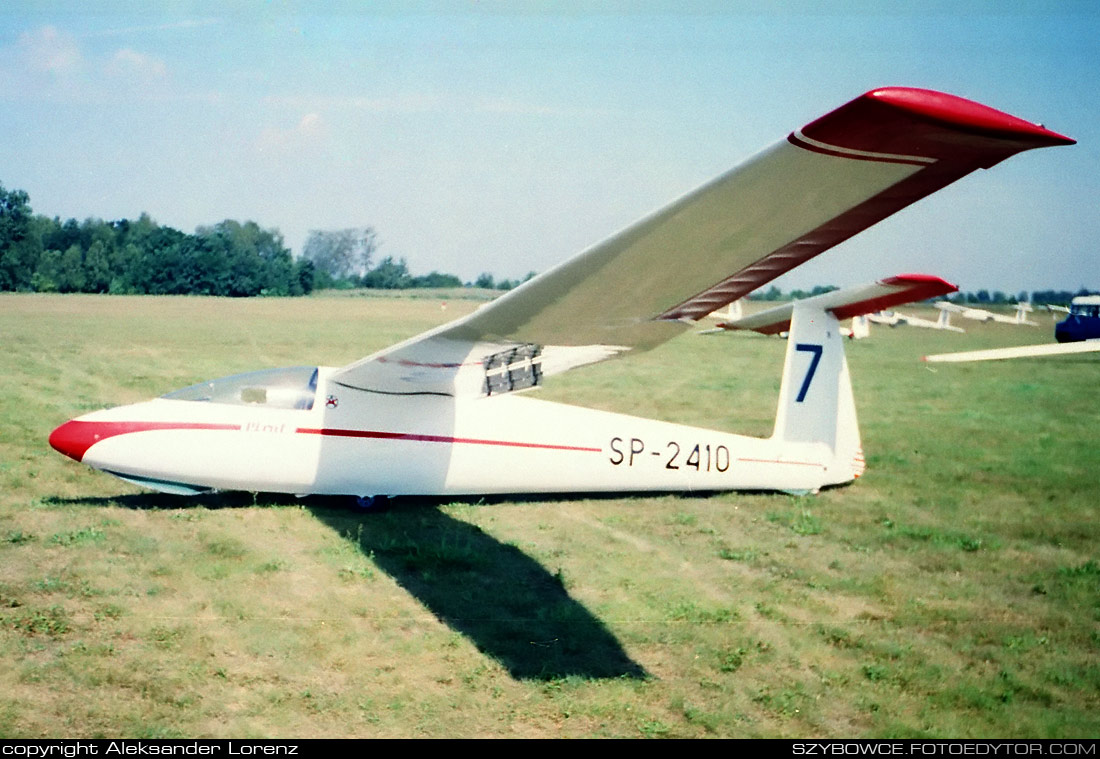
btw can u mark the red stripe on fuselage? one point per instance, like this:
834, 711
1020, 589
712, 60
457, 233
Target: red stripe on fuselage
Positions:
74, 438
419, 438
777, 461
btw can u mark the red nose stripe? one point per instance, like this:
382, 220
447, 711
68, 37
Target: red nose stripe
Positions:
74, 438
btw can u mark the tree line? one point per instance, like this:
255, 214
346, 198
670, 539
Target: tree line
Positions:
998, 298
230, 258
345, 259
982, 297
43, 254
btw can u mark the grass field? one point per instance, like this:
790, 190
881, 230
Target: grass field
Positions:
953, 591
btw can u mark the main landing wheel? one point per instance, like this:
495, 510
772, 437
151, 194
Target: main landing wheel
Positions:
371, 502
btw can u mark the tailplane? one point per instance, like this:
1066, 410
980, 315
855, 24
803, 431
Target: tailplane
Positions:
816, 404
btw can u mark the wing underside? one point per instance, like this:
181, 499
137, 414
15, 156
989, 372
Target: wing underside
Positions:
827, 181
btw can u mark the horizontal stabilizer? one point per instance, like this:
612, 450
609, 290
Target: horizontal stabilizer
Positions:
849, 302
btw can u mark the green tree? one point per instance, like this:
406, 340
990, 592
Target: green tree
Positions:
47, 275
19, 248
125, 270
161, 270
71, 278
341, 254
305, 273
258, 261
97, 268
390, 274
436, 279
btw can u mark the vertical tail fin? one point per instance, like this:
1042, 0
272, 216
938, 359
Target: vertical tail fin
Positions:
816, 404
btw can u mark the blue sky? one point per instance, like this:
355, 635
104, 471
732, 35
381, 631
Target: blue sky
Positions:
505, 137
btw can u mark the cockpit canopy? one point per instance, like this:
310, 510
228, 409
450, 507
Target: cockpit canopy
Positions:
290, 388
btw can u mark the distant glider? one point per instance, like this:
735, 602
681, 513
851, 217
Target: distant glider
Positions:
943, 322
442, 413
983, 315
861, 325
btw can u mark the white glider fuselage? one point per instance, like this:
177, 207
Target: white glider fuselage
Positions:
362, 443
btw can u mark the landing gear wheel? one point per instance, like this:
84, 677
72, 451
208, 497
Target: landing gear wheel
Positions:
371, 502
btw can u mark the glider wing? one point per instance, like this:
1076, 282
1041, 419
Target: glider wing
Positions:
1021, 351
824, 183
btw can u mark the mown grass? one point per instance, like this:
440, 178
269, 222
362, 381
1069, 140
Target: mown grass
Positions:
953, 591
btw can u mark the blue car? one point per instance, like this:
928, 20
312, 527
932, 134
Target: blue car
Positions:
1083, 322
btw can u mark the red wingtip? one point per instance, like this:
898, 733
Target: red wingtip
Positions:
922, 286
960, 113
916, 123
928, 282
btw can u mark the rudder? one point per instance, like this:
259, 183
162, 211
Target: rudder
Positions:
816, 404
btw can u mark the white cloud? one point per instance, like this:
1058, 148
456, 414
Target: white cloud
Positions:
130, 63
307, 132
401, 104
192, 23
49, 50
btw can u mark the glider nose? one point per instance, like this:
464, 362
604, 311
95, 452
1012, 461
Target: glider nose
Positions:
73, 438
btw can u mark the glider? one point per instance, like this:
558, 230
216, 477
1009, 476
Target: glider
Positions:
982, 315
943, 322
444, 413
861, 325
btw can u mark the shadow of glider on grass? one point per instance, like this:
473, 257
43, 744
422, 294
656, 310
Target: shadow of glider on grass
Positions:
441, 413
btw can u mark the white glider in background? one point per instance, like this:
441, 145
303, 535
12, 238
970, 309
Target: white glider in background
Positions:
943, 322
441, 413
859, 329
730, 312
898, 319
982, 315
